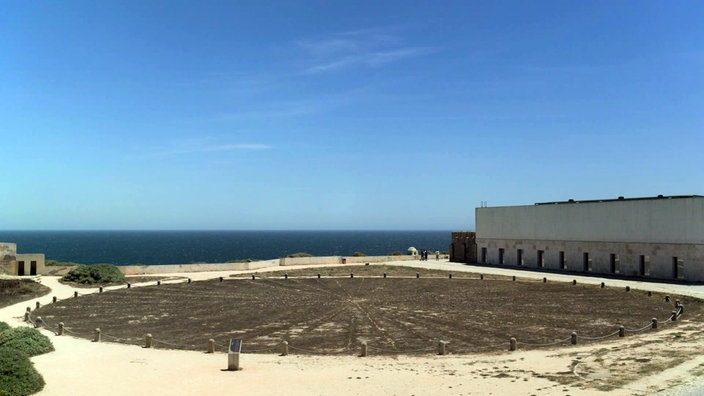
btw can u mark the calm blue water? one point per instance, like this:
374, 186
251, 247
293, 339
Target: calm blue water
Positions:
183, 247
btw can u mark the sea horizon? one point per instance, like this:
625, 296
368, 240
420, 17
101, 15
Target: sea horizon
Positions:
160, 247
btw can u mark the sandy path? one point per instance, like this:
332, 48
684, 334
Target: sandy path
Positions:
80, 367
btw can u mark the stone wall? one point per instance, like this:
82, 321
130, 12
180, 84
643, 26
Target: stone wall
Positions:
175, 268
8, 258
463, 248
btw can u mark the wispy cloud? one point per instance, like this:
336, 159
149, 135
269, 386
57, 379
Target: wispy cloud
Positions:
367, 47
196, 146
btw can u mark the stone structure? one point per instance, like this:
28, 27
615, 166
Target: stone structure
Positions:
12, 263
463, 248
658, 237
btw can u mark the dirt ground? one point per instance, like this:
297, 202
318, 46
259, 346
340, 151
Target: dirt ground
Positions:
13, 291
407, 312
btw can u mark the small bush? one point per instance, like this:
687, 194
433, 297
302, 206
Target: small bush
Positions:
18, 377
96, 273
4, 326
54, 263
395, 253
359, 254
300, 254
26, 340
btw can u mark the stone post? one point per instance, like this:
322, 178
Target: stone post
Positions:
26, 316
384, 274
60, 331
29, 309
148, 341
442, 348
285, 276
129, 285
158, 283
221, 279
449, 276
189, 280
628, 288
351, 276
211, 346
667, 298
621, 331
284, 348
38, 322
574, 282
363, 352
545, 280
574, 338
602, 285
53, 299
100, 289
512, 344
38, 305
650, 294
674, 316
513, 278
75, 294
253, 277
96, 337
654, 323
417, 275
481, 276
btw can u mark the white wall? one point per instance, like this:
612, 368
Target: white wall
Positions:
676, 220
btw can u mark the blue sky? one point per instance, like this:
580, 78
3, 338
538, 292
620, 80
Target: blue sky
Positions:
340, 114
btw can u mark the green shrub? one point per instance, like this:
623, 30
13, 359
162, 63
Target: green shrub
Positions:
26, 340
18, 377
96, 273
358, 254
54, 263
300, 254
4, 326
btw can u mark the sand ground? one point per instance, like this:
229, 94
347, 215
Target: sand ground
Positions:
635, 365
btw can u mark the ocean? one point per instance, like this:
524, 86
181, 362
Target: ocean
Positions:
185, 247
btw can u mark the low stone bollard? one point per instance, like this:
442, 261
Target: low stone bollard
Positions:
602, 285
96, 336
621, 331
513, 278
573, 338
129, 285
53, 299
158, 283
512, 344
148, 341
674, 316
650, 294
574, 282
75, 294
442, 348
318, 276
38, 305
100, 289
363, 351
60, 330
654, 323
285, 276
351, 276
38, 322
667, 298
211, 346
628, 288
29, 309
545, 280
384, 274
221, 279
26, 316
417, 275
189, 280
284, 348
481, 276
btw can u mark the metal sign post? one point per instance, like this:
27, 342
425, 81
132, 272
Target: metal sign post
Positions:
233, 354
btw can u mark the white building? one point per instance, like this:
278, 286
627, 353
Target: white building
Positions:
12, 263
660, 237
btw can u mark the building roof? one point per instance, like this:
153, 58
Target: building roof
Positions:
572, 201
